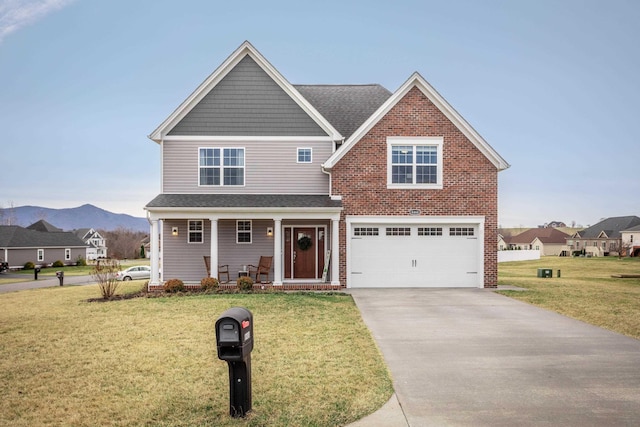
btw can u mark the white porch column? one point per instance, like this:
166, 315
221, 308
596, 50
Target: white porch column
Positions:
214, 247
335, 252
277, 251
155, 254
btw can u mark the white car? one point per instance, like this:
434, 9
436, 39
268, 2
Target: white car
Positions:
135, 273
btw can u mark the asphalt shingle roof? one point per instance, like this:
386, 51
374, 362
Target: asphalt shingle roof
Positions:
545, 235
611, 227
243, 201
13, 236
346, 107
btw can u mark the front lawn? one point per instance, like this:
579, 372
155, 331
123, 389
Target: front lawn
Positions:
153, 361
585, 290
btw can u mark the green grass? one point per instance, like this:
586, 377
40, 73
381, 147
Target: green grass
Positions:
585, 291
153, 361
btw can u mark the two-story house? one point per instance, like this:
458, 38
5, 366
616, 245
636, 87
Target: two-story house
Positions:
348, 185
97, 245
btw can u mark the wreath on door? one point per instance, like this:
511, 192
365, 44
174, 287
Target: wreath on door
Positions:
304, 243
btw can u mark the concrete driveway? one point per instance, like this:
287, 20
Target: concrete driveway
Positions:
471, 357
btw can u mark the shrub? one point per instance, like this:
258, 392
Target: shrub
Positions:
58, 264
173, 285
244, 283
209, 283
81, 262
105, 274
29, 265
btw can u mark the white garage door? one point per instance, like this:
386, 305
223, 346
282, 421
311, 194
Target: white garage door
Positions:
423, 255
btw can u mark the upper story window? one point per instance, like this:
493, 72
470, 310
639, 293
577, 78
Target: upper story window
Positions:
196, 231
414, 162
221, 166
304, 155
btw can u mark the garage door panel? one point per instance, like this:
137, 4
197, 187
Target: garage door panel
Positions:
414, 260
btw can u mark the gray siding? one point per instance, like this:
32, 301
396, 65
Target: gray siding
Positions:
247, 102
189, 265
270, 168
18, 257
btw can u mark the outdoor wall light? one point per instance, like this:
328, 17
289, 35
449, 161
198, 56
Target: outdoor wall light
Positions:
174, 231
269, 231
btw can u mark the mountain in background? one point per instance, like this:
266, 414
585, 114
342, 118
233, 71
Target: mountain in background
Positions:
85, 216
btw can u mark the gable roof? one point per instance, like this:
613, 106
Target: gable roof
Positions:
545, 235
609, 228
245, 56
416, 80
13, 236
346, 107
43, 225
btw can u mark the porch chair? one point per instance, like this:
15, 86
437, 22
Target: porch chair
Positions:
223, 270
262, 269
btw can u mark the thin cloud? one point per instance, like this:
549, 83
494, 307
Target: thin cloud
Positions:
15, 14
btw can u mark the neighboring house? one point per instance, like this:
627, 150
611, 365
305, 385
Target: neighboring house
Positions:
97, 245
549, 241
347, 184
601, 238
555, 224
631, 241
40, 243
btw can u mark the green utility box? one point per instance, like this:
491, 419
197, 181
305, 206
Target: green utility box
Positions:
545, 272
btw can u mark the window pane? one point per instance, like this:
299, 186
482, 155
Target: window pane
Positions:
209, 157
426, 155
401, 174
209, 176
402, 154
426, 174
234, 176
234, 157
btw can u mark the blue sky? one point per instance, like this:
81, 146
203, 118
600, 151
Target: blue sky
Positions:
553, 86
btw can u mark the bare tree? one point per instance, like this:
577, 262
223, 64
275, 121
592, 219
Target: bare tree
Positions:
123, 243
8, 215
105, 273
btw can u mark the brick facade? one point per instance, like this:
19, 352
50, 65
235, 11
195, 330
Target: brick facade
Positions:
470, 180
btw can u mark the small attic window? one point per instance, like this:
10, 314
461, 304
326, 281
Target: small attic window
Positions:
304, 155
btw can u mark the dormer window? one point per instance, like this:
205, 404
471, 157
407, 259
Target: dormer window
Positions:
414, 162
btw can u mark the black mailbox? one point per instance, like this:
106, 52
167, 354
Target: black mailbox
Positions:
234, 340
234, 334
60, 276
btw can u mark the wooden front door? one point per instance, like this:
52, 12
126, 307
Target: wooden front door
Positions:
305, 247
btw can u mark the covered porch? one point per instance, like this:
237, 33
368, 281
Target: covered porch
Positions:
297, 232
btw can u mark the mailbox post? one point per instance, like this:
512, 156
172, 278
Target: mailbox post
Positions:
60, 276
234, 341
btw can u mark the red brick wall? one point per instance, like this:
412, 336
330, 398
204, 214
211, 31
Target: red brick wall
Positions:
470, 180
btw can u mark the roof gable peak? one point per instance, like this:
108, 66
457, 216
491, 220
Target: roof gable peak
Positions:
245, 49
416, 80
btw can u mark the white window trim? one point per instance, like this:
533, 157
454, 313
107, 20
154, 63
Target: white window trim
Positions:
310, 155
222, 167
67, 254
189, 231
250, 231
436, 141
40, 255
